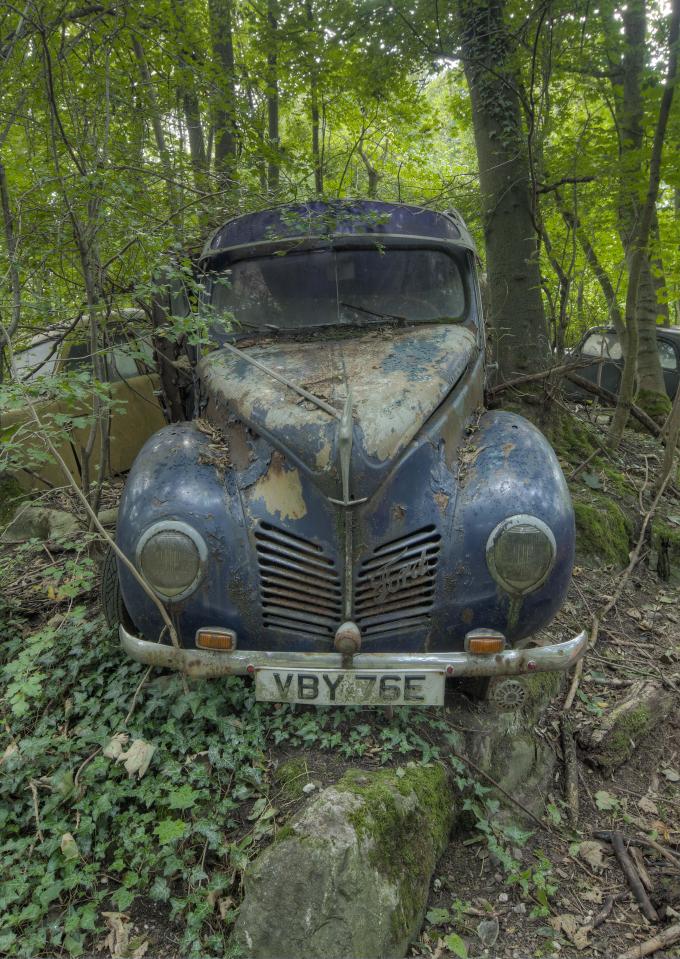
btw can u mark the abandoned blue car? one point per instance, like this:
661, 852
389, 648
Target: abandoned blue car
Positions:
342, 519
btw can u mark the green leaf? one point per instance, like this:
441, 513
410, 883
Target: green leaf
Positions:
183, 798
605, 800
169, 830
456, 945
592, 480
438, 917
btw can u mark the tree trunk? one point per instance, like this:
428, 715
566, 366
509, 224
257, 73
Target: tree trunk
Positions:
649, 372
273, 169
156, 124
630, 114
224, 85
639, 244
517, 313
314, 98
593, 261
9, 328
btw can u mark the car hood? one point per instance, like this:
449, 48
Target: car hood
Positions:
397, 379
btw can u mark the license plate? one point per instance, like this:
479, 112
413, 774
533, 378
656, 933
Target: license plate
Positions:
343, 687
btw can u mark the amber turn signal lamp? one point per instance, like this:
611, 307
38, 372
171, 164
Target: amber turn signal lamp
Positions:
484, 642
222, 639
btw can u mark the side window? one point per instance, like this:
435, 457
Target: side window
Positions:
667, 355
602, 344
120, 363
78, 357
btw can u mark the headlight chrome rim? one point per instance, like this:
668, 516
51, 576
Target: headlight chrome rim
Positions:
519, 519
173, 526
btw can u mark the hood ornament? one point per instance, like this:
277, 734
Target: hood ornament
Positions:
345, 434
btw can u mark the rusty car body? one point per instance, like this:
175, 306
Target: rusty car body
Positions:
133, 386
345, 521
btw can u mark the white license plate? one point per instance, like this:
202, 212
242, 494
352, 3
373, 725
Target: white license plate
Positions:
349, 687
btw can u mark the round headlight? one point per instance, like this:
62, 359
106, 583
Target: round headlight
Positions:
171, 557
520, 553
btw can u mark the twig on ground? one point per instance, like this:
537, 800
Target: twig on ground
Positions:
527, 812
659, 941
632, 876
571, 793
85, 763
36, 812
136, 695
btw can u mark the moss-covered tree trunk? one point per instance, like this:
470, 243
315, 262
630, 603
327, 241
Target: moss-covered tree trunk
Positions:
629, 100
514, 280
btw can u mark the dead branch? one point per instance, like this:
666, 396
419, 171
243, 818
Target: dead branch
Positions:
550, 187
612, 399
605, 836
632, 876
565, 368
659, 941
571, 794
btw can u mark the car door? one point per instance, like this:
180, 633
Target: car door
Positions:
669, 354
135, 387
602, 345
136, 411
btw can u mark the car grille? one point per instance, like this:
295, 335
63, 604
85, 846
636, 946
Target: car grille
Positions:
395, 585
300, 586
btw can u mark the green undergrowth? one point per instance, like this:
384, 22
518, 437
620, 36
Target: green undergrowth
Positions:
178, 838
603, 530
603, 495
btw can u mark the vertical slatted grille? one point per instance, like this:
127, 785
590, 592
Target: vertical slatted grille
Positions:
300, 585
396, 584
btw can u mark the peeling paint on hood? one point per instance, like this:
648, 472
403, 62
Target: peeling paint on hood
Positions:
397, 378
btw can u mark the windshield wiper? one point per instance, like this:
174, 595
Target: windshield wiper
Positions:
381, 316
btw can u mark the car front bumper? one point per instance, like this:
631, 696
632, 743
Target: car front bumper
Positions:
556, 657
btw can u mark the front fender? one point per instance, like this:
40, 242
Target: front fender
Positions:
507, 468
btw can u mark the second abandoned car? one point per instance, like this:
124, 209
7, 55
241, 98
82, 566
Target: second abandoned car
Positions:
345, 522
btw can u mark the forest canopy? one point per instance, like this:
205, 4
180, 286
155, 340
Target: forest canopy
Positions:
128, 130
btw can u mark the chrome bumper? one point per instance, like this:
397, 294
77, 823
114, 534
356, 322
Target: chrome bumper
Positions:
511, 662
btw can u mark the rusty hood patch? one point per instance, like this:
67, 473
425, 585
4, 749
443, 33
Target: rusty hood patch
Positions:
397, 380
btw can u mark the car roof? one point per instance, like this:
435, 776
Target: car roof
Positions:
672, 330
328, 218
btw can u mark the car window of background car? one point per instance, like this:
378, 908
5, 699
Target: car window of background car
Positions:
37, 360
121, 363
352, 287
667, 355
602, 344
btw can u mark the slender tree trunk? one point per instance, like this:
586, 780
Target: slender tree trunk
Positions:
224, 98
189, 98
273, 167
649, 372
517, 313
640, 240
156, 123
14, 279
629, 99
312, 44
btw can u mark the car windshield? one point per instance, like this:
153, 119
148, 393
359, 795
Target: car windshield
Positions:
346, 287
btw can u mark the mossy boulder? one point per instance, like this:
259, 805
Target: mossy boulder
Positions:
603, 530
612, 740
351, 875
656, 405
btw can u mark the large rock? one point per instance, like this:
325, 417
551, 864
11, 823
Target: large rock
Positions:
350, 875
38, 522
